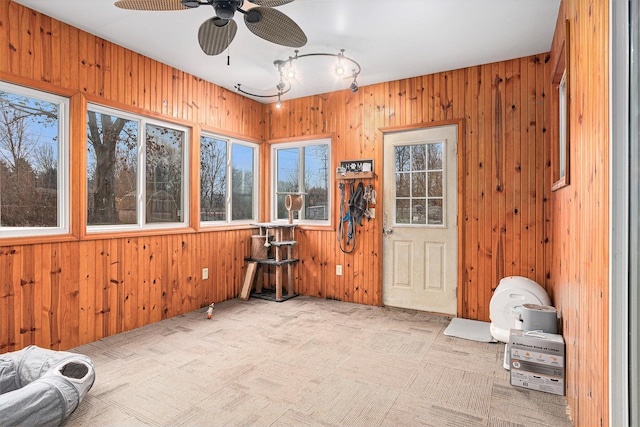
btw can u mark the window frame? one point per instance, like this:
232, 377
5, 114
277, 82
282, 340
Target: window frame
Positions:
64, 164
560, 143
444, 199
231, 141
273, 212
141, 191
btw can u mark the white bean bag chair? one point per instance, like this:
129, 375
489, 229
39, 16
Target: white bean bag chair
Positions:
40, 387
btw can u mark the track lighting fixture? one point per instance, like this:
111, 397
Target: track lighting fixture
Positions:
288, 73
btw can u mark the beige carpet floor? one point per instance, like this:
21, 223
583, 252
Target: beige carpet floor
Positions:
302, 362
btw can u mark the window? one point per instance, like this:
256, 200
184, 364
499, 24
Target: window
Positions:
136, 171
34, 159
562, 126
302, 167
561, 106
419, 186
227, 167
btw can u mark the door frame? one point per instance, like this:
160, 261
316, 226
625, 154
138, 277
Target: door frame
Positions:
460, 210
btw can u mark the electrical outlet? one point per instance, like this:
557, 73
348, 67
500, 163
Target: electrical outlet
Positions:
338, 270
205, 273
372, 213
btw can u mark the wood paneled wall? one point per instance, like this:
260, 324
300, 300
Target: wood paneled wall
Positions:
580, 247
61, 295
503, 155
504, 109
62, 292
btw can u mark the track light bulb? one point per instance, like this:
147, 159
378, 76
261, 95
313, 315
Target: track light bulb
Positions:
279, 103
291, 72
354, 86
339, 69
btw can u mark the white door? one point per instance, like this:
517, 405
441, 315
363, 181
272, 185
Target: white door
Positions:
420, 245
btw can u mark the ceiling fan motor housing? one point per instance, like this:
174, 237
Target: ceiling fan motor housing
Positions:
225, 9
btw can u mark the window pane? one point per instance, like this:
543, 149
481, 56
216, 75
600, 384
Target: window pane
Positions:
112, 168
402, 158
242, 181
402, 185
403, 213
29, 161
418, 211
316, 182
418, 157
164, 174
418, 184
435, 156
435, 211
435, 184
303, 168
213, 179
288, 161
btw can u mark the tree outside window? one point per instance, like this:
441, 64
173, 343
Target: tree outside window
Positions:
33, 172
419, 187
130, 183
227, 179
303, 168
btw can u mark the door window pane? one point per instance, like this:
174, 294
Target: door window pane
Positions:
403, 211
435, 156
435, 184
403, 155
419, 185
435, 211
402, 185
418, 157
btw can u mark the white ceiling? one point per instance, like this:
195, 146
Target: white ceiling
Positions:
391, 39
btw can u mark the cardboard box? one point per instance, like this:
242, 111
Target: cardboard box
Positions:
537, 361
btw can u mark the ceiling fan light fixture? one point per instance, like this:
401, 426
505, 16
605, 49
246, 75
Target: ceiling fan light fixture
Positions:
225, 9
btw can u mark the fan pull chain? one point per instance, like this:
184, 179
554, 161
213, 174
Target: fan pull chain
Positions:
228, 48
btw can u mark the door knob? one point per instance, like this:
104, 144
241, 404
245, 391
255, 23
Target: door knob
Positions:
387, 230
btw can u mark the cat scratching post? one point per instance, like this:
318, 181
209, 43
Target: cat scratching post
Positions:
292, 202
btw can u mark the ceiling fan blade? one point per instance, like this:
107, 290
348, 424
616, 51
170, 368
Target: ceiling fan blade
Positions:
216, 34
150, 4
274, 26
270, 3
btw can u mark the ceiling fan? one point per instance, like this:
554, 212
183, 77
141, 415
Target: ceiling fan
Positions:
215, 34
